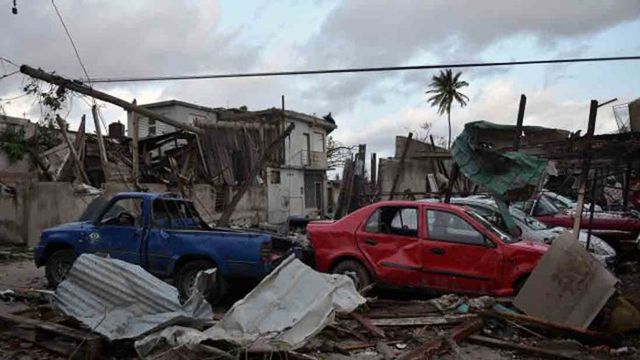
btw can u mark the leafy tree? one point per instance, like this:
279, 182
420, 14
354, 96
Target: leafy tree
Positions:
445, 89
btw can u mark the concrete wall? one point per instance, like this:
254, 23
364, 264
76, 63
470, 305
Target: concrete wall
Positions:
40, 205
413, 178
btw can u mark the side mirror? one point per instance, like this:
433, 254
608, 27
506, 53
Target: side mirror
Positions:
488, 243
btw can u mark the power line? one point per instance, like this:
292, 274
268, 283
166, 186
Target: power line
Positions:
75, 49
9, 61
360, 70
9, 74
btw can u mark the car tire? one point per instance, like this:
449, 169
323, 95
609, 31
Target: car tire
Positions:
58, 265
354, 270
185, 280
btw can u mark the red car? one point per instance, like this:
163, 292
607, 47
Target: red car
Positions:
440, 247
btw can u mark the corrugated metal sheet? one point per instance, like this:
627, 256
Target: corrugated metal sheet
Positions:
289, 306
120, 300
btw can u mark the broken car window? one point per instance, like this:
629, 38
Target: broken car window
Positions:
124, 212
446, 226
394, 220
176, 215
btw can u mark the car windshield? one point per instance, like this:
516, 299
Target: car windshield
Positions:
545, 207
490, 227
558, 200
528, 221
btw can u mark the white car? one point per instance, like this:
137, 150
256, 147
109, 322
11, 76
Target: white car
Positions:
535, 230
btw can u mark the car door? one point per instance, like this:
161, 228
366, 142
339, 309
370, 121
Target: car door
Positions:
119, 227
457, 256
389, 240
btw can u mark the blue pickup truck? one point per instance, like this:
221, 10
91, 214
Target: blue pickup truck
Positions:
162, 233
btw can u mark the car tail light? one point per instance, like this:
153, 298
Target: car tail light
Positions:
265, 252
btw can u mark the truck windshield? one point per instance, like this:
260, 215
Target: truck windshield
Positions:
176, 214
494, 229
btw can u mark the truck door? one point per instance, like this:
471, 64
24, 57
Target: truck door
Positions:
457, 256
390, 241
119, 229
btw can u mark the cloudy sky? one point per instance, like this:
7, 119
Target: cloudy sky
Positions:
162, 37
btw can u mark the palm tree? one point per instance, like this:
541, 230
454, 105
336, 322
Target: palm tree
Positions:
445, 87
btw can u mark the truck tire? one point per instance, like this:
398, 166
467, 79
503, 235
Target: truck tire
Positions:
356, 271
186, 276
58, 265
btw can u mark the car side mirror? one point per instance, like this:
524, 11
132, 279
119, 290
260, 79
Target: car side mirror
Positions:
488, 243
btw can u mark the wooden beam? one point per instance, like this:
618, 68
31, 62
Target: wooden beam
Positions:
453, 177
72, 149
519, 120
89, 91
584, 175
103, 150
230, 208
135, 137
531, 350
400, 169
367, 324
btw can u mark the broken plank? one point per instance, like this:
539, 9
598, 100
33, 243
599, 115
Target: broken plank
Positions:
423, 320
584, 336
34, 331
460, 332
367, 324
531, 350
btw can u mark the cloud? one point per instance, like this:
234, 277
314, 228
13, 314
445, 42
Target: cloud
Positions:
380, 33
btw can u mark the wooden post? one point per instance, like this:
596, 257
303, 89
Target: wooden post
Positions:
626, 187
592, 207
374, 170
230, 208
453, 177
134, 145
72, 149
103, 150
86, 90
400, 169
518, 131
440, 162
593, 112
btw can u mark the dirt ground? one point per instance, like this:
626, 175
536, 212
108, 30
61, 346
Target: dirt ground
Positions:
21, 274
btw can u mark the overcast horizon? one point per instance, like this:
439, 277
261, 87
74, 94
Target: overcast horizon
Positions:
145, 38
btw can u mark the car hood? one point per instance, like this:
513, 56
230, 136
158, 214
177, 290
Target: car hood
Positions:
597, 245
530, 245
77, 225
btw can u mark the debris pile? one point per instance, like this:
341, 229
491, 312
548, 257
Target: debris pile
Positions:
299, 313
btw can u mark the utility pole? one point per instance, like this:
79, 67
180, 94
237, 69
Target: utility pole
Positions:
86, 90
586, 163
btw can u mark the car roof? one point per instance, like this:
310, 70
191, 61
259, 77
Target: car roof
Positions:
430, 204
146, 195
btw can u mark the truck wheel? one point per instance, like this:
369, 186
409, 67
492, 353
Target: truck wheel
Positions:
58, 265
355, 271
186, 279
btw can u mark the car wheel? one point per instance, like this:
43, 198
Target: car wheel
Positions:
58, 265
356, 271
186, 280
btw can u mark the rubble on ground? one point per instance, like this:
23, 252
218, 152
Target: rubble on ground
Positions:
276, 320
